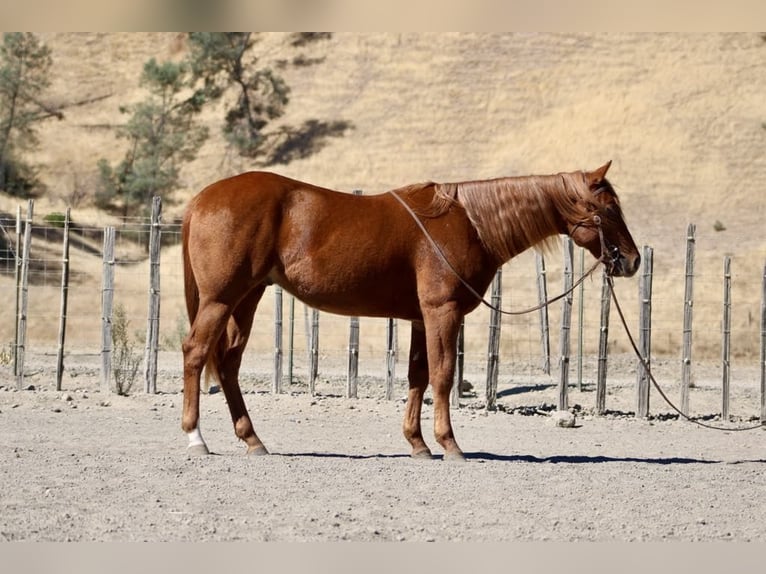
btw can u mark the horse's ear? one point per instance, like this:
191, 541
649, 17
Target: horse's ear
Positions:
597, 176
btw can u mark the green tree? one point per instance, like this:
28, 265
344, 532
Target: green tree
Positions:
226, 62
24, 76
225, 59
162, 135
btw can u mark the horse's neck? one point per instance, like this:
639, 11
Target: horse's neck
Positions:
512, 214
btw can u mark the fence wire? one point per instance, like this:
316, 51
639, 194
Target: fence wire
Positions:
522, 362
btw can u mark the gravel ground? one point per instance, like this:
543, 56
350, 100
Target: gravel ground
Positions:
86, 465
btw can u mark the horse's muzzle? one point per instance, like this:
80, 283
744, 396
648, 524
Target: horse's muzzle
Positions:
622, 266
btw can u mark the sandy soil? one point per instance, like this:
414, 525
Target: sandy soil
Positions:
86, 465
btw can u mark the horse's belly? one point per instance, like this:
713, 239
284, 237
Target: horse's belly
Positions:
350, 292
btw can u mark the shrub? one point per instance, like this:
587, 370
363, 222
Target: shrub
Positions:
55, 219
125, 360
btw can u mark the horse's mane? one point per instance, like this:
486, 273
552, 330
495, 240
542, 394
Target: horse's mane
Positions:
513, 213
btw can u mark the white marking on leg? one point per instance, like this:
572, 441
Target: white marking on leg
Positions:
195, 438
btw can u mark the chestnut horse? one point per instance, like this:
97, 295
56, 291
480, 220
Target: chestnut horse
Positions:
370, 256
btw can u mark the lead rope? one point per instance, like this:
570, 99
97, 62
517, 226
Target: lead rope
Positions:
607, 260
473, 291
654, 381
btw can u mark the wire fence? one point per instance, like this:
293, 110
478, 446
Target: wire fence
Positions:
528, 349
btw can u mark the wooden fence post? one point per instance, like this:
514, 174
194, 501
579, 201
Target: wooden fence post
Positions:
493, 352
580, 313
64, 300
153, 314
603, 345
24, 296
645, 332
291, 341
276, 386
566, 324
390, 357
17, 280
763, 347
352, 378
686, 359
107, 300
459, 366
542, 298
726, 336
313, 350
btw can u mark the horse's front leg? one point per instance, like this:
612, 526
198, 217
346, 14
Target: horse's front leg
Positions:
442, 326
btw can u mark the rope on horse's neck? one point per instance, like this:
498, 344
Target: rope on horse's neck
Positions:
654, 381
473, 291
604, 259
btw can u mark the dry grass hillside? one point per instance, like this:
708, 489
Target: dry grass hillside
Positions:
682, 117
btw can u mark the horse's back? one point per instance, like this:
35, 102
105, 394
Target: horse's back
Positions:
251, 186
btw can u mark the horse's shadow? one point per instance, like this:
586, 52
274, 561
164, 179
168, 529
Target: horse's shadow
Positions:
520, 389
555, 459
583, 459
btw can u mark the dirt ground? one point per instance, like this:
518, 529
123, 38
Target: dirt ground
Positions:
82, 464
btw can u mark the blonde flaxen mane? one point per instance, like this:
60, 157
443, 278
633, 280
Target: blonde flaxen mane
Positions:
513, 213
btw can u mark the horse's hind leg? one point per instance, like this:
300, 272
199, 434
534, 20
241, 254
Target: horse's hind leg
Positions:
418, 379
238, 331
197, 346
219, 331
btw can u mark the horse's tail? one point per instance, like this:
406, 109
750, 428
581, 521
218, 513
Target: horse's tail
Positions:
190, 282
212, 367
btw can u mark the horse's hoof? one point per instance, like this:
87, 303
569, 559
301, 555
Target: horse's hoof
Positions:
197, 450
257, 451
424, 454
454, 456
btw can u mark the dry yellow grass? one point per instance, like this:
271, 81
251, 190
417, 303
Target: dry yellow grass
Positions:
680, 115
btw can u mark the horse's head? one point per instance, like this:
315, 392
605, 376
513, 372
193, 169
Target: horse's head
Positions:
603, 231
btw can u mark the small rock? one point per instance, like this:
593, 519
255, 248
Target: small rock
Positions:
214, 389
56, 409
29, 388
66, 397
563, 419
